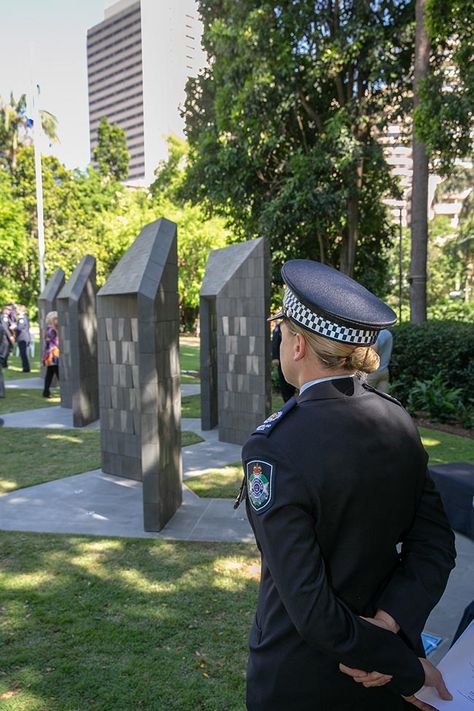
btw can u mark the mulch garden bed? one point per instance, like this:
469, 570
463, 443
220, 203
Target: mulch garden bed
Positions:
450, 428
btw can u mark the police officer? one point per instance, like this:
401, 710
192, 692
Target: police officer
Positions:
333, 482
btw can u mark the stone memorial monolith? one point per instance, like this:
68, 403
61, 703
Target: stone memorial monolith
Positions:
235, 340
139, 391
76, 306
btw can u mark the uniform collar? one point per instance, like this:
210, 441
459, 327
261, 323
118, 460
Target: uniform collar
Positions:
330, 389
310, 383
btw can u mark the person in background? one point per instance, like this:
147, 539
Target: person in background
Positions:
380, 379
50, 358
4, 351
23, 337
8, 323
287, 391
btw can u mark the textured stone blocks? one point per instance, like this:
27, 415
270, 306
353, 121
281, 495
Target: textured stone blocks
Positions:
138, 349
235, 340
76, 305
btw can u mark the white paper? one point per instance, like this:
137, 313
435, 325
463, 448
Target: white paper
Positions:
457, 668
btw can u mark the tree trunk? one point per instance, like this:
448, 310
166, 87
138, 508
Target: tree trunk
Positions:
419, 198
351, 233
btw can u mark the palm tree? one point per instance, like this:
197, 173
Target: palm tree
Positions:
14, 124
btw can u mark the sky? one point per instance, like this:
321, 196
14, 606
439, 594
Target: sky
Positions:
53, 33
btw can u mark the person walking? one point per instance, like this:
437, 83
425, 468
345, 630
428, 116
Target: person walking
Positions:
23, 337
50, 358
333, 483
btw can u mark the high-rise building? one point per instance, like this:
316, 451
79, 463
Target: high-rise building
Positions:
138, 60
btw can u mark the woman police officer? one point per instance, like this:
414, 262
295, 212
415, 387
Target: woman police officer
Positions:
333, 483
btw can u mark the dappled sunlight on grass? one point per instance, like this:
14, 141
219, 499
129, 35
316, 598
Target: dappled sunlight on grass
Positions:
30, 581
65, 438
114, 613
233, 574
6, 485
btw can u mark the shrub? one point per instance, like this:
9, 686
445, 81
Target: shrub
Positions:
434, 348
440, 402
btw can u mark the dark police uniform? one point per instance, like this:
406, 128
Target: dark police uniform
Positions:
333, 483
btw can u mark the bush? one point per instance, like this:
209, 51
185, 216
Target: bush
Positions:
452, 310
440, 402
434, 348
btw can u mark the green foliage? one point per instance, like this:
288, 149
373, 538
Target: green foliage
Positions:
436, 398
452, 309
13, 240
444, 120
111, 154
434, 348
198, 233
281, 125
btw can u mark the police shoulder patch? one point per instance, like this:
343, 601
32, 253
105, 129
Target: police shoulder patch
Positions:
260, 484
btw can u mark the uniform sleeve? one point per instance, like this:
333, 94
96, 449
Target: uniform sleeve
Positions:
427, 557
284, 529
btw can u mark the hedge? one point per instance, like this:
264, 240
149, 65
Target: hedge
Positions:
421, 351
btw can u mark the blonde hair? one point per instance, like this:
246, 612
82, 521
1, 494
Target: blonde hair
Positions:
363, 359
50, 317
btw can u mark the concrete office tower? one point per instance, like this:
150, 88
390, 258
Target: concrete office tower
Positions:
78, 343
140, 401
235, 340
139, 59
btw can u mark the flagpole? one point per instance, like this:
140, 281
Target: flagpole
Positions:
36, 130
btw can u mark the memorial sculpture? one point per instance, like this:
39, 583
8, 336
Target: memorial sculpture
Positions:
139, 391
76, 306
235, 340
47, 302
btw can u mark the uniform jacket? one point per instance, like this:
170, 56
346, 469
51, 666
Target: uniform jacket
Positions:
23, 329
334, 483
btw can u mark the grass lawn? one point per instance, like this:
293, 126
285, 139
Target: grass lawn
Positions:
189, 357
51, 454
17, 400
218, 483
93, 624
191, 406
14, 369
444, 448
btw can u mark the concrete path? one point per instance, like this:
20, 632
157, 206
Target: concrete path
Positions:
28, 383
100, 504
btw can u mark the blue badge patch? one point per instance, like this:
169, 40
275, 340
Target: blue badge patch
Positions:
259, 483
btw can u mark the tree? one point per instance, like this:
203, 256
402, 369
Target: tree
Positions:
282, 124
14, 125
444, 119
419, 200
13, 241
198, 234
111, 154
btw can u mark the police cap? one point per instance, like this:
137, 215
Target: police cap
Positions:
331, 304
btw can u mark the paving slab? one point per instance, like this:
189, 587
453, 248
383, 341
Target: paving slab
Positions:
35, 383
57, 417
101, 504
25, 383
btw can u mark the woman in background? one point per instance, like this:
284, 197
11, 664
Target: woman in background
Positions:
50, 357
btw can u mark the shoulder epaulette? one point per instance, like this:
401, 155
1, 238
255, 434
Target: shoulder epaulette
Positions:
384, 395
271, 422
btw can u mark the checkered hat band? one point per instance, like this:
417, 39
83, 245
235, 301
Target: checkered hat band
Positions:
300, 313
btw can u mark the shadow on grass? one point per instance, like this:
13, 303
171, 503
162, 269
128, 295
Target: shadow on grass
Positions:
124, 624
